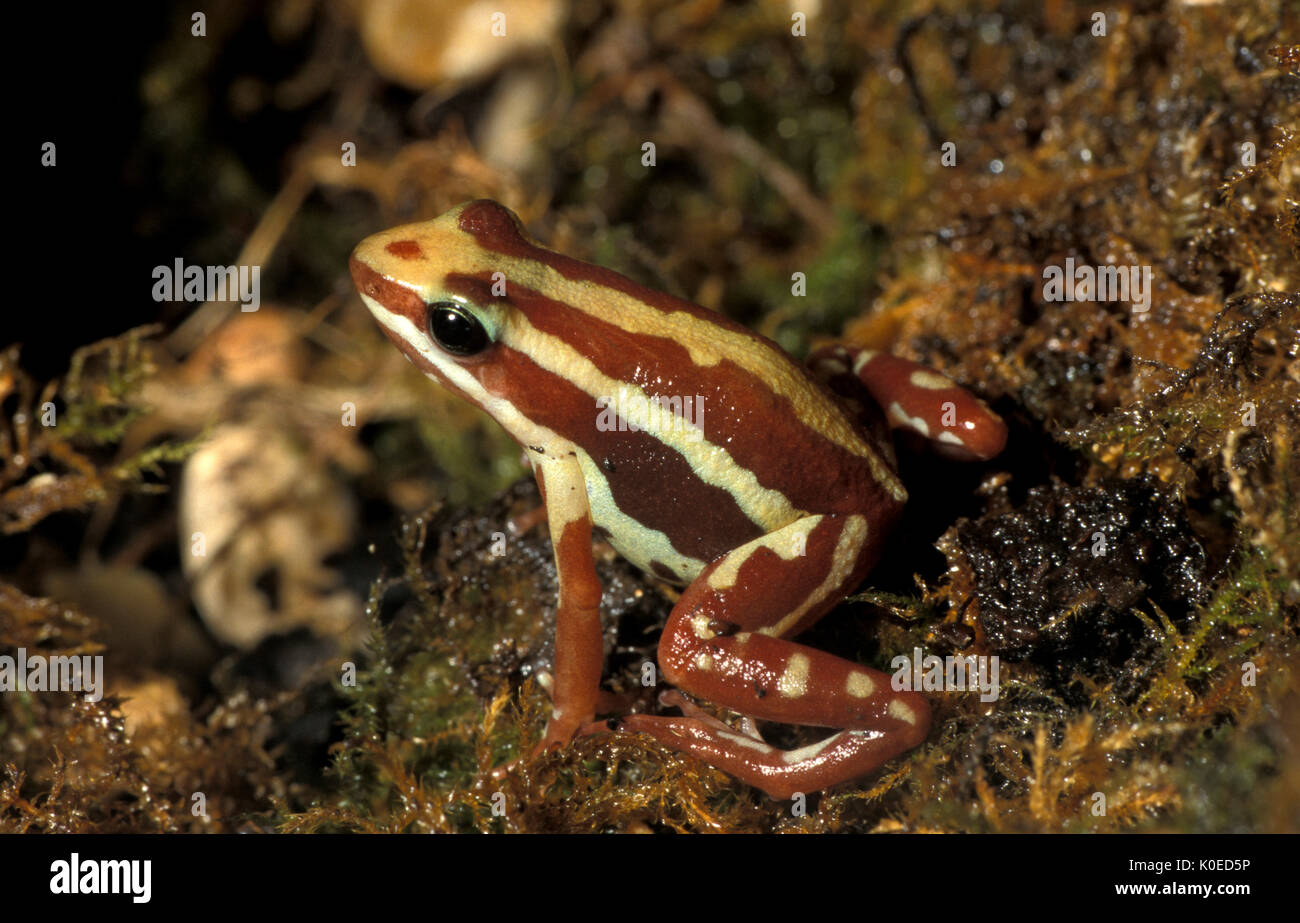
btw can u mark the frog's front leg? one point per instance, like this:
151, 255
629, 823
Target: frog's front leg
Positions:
915, 398
579, 643
726, 641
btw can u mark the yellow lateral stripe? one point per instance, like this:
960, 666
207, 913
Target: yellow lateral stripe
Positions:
646, 544
768, 509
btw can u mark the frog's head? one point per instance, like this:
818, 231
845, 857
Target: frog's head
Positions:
478, 306
441, 291
405, 277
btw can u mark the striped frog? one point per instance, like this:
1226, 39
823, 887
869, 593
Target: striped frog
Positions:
767, 489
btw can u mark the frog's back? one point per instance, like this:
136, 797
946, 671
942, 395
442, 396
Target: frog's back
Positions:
734, 439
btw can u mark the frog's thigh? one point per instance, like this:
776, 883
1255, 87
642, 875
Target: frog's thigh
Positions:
726, 637
725, 641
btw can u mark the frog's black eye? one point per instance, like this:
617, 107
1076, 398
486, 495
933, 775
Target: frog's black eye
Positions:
455, 329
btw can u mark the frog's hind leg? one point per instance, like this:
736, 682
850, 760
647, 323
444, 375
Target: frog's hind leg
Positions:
957, 423
727, 641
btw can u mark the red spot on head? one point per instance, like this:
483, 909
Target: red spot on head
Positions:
405, 249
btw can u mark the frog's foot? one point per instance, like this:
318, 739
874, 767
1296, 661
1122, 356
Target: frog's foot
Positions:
559, 731
556, 735
674, 699
563, 725
671, 698
779, 773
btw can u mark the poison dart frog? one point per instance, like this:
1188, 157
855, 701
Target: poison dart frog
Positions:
766, 488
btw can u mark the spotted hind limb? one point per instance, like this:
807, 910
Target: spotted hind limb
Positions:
727, 641
957, 423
